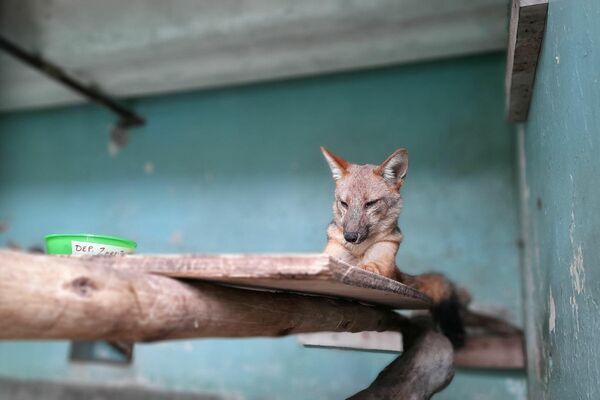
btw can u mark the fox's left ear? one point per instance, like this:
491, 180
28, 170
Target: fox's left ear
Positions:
394, 168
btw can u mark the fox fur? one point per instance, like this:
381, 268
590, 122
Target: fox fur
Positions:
364, 231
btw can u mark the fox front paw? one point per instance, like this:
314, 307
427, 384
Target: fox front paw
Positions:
371, 267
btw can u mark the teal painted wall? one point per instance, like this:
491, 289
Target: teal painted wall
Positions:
239, 170
560, 167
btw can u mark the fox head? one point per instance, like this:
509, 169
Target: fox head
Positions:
367, 197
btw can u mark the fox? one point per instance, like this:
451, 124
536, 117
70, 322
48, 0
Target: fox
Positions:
364, 231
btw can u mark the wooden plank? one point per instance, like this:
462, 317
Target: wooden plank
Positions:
53, 297
482, 351
527, 25
317, 274
388, 342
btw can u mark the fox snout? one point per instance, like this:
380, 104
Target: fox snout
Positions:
354, 222
356, 237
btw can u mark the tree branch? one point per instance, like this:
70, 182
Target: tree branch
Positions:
49, 297
425, 368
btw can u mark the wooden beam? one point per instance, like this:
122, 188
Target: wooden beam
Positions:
481, 351
491, 342
492, 352
527, 25
53, 297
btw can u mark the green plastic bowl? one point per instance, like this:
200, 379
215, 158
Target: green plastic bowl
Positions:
82, 244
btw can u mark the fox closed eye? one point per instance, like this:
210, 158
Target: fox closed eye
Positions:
371, 203
344, 204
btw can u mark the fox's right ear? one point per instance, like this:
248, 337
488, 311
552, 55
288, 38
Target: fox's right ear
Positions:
338, 165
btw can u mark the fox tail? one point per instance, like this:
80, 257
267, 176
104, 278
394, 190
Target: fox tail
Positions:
448, 300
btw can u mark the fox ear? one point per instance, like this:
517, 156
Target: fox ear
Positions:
337, 164
394, 168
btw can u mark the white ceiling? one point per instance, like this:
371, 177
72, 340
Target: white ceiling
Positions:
140, 47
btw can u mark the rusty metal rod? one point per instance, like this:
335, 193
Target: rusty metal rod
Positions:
127, 117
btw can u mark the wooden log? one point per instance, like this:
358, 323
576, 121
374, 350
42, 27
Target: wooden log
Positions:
53, 297
425, 368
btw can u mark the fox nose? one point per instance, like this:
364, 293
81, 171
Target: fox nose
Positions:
351, 237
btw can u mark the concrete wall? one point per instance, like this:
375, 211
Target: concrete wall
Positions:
239, 170
560, 190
